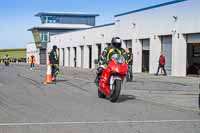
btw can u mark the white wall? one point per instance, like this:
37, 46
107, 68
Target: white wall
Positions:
92, 37
179, 54
158, 22
32, 50
155, 49
137, 55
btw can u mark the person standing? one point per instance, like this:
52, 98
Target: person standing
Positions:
161, 65
129, 61
54, 61
74, 61
32, 61
6, 60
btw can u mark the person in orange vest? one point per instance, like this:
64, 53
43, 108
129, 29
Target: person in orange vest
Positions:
32, 61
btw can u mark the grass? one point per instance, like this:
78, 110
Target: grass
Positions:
13, 53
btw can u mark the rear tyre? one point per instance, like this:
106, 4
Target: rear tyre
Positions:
117, 88
100, 94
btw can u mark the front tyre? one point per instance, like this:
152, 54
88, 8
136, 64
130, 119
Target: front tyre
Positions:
100, 94
117, 88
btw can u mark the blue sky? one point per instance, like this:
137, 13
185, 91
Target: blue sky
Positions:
16, 16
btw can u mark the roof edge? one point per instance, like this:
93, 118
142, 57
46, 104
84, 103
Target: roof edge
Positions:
65, 14
102, 25
91, 28
151, 7
35, 28
99, 26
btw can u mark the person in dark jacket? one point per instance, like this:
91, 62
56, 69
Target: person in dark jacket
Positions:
129, 61
54, 61
161, 65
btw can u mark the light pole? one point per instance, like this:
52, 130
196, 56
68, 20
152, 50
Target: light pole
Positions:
175, 19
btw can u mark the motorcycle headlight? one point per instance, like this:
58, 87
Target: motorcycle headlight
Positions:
119, 58
120, 61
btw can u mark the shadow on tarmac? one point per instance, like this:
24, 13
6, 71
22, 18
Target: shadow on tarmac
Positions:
61, 80
124, 98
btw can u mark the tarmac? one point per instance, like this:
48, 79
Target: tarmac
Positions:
148, 104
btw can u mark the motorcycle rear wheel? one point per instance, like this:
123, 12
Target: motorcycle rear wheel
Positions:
117, 88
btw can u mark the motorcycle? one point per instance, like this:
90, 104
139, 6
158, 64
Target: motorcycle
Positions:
112, 77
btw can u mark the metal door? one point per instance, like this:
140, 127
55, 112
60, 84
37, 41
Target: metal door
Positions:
43, 56
68, 56
63, 50
82, 56
145, 54
167, 52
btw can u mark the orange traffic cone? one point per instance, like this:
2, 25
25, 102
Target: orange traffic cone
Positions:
48, 78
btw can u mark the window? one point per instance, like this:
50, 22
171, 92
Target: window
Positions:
49, 19
44, 36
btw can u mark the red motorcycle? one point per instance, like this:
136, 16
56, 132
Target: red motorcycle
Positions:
112, 77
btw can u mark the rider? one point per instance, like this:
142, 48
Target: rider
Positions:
54, 61
107, 53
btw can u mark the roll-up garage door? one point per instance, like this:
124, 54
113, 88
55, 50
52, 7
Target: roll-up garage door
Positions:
167, 52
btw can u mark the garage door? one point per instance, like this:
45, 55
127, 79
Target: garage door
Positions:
42, 56
193, 54
167, 52
145, 55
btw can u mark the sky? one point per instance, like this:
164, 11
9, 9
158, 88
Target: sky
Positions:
16, 16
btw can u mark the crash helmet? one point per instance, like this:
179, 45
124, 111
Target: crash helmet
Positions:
116, 42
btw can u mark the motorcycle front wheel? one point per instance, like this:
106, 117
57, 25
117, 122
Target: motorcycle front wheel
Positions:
116, 92
100, 94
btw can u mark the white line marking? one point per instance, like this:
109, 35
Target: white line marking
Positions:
96, 122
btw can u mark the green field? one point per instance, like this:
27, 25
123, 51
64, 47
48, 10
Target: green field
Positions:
13, 53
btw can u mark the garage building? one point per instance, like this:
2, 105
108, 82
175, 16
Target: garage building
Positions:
172, 28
